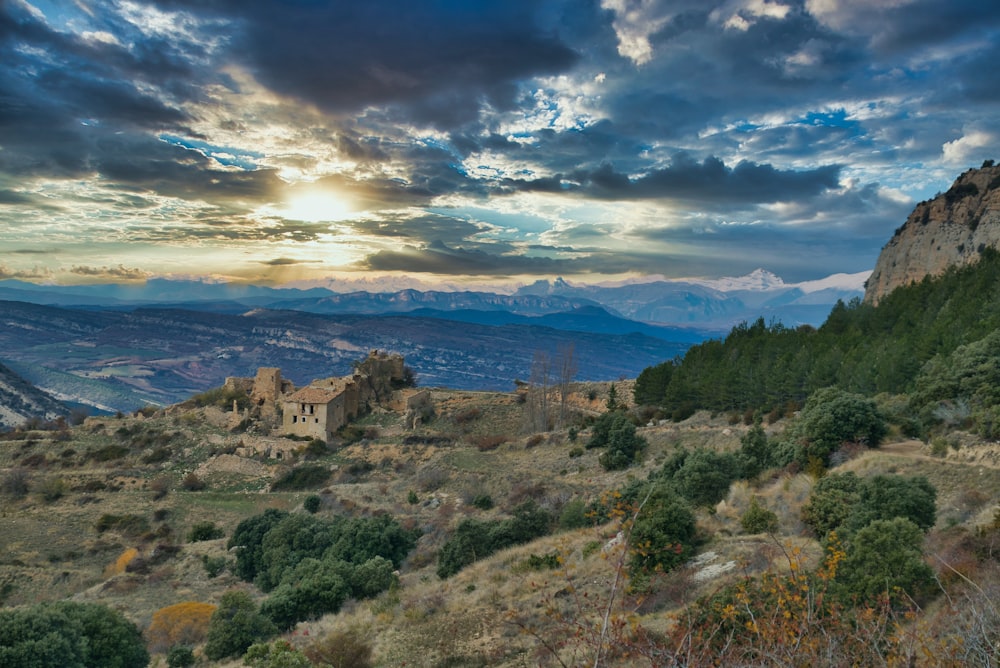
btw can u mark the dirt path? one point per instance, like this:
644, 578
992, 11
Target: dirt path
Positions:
987, 455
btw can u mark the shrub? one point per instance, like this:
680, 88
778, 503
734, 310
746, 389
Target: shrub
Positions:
341, 648
158, 455
832, 501
758, 519
885, 558
56, 635
534, 441
204, 531
213, 565
181, 624
574, 515
474, 539
832, 417
663, 533
278, 654
312, 503
704, 476
488, 443
133, 525
411, 498
160, 487
109, 453
192, 482
316, 448
180, 656
302, 477
235, 625
467, 416
617, 434
16, 483
482, 501
52, 489
846, 503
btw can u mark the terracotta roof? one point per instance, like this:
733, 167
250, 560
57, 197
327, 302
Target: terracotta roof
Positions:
314, 395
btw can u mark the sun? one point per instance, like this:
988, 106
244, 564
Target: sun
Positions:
316, 206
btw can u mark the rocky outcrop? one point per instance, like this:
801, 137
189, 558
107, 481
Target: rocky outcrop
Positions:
951, 229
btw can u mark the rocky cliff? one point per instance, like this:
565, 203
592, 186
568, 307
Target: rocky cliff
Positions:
951, 229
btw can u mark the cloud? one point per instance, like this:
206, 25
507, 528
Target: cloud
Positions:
709, 182
971, 146
117, 273
437, 60
35, 273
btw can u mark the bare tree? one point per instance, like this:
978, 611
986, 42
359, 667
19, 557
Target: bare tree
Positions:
567, 372
538, 392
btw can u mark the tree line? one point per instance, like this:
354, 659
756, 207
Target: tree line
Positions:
932, 340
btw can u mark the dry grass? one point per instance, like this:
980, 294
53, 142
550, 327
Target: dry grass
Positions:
496, 612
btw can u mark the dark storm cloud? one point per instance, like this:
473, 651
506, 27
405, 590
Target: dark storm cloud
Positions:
119, 272
437, 258
440, 58
709, 182
428, 228
145, 164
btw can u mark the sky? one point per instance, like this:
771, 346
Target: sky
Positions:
492, 142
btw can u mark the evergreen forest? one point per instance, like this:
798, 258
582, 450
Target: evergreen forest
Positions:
932, 341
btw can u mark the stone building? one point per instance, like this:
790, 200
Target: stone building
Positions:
327, 404
318, 411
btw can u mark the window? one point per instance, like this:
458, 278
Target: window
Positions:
295, 418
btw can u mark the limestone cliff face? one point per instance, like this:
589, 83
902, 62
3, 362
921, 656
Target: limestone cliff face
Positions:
951, 229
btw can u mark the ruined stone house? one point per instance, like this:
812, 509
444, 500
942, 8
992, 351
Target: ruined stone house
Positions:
318, 411
325, 405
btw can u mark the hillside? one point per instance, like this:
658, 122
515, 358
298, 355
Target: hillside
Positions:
950, 230
108, 509
21, 401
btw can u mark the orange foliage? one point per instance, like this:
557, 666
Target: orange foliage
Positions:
180, 624
121, 562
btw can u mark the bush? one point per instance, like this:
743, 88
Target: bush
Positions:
846, 503
192, 483
235, 625
615, 432
312, 503
16, 483
182, 624
886, 558
574, 515
341, 648
180, 656
704, 476
482, 501
663, 533
474, 539
832, 417
52, 489
758, 519
109, 453
132, 525
80, 635
204, 531
278, 654
213, 565
302, 477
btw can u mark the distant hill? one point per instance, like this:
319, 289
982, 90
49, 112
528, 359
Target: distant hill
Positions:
120, 359
21, 401
711, 304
